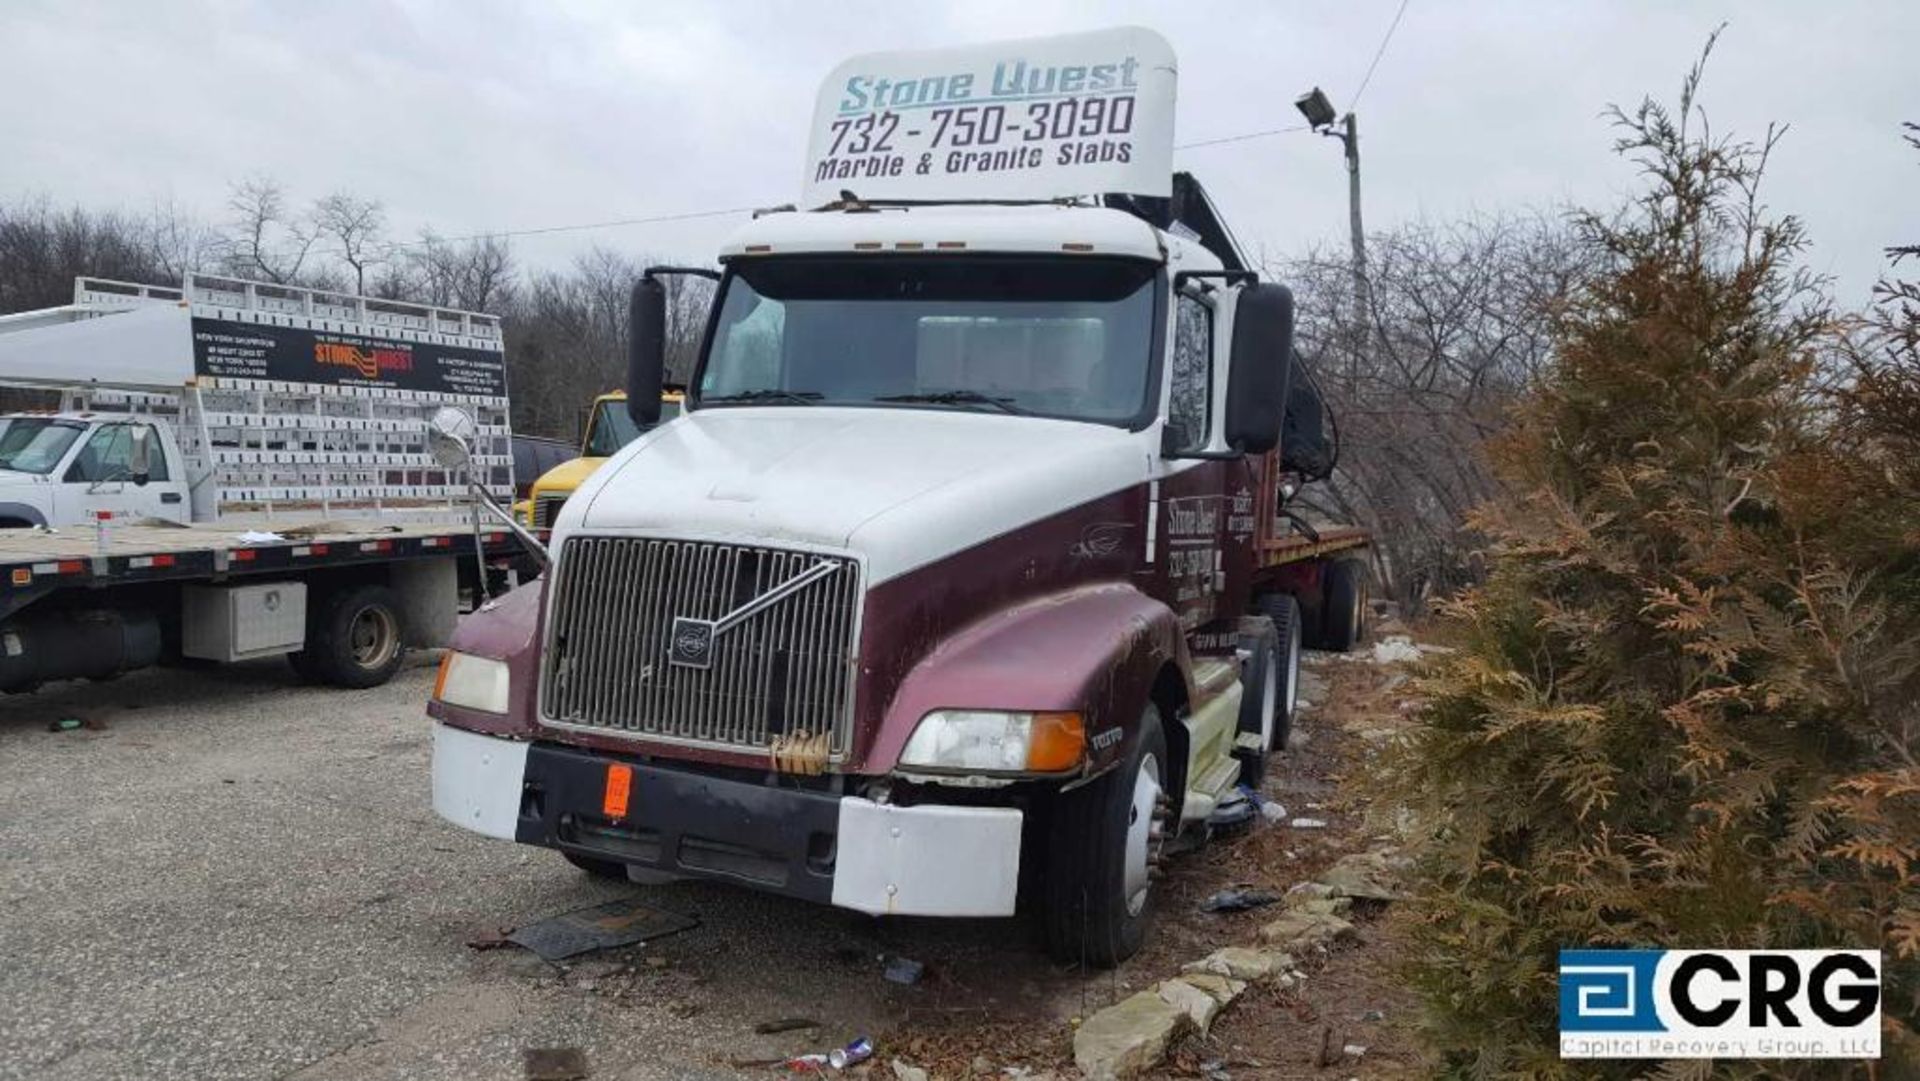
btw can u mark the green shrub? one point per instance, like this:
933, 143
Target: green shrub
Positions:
1686, 709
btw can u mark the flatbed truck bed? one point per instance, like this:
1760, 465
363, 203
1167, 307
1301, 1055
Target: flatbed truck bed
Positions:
34, 562
1298, 547
342, 599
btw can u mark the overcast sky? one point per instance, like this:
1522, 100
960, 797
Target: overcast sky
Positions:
488, 116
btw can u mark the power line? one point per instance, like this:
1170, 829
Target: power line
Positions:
543, 230
501, 234
1354, 102
1241, 138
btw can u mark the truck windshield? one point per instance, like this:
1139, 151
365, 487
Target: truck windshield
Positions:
34, 444
612, 428
1057, 337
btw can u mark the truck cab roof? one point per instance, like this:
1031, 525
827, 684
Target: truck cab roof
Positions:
1044, 228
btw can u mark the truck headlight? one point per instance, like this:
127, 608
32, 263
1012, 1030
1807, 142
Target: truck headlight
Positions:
996, 741
472, 682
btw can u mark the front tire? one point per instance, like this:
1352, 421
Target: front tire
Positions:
1103, 842
1260, 679
1290, 630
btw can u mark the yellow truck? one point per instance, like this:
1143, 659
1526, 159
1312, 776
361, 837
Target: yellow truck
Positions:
608, 429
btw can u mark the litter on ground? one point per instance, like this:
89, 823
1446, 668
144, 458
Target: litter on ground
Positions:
616, 923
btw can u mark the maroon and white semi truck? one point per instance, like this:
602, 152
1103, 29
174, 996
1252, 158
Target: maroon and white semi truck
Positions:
966, 580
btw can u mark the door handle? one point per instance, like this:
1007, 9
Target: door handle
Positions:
169, 497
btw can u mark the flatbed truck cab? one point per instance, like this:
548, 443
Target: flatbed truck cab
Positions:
609, 427
960, 586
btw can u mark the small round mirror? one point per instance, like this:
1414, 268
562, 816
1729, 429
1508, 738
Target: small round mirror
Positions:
450, 433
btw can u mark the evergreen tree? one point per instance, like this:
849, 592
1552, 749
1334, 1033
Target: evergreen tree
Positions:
1686, 709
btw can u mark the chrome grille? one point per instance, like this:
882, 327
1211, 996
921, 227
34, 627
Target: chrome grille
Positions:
546, 508
783, 671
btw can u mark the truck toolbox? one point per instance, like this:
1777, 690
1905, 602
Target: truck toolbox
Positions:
234, 623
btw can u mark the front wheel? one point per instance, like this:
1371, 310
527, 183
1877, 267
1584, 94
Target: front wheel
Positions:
1103, 843
1260, 684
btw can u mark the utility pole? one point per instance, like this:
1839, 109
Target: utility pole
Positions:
1362, 308
1319, 112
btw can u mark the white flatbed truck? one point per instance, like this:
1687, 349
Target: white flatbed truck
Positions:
239, 470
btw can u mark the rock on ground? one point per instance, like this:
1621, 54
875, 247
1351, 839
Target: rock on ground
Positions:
1129, 1037
1200, 1006
1302, 930
1241, 963
1370, 876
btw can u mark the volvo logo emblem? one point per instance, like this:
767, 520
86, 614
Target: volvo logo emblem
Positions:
692, 643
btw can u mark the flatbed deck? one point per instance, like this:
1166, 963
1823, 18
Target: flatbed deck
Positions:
35, 561
1296, 547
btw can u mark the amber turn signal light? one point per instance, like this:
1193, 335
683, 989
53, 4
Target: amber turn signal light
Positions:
1057, 744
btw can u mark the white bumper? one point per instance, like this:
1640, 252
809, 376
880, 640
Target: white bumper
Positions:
476, 780
926, 860
899, 861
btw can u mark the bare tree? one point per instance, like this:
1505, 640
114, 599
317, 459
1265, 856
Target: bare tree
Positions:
473, 274
1460, 318
43, 249
567, 336
179, 242
356, 225
266, 240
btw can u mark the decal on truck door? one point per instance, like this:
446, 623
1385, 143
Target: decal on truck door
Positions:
1193, 547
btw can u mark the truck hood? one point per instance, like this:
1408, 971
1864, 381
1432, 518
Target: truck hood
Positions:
901, 487
567, 476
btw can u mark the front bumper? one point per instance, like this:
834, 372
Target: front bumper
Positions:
883, 859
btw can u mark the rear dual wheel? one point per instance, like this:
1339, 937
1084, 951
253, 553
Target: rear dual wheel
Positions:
355, 637
1271, 684
1343, 605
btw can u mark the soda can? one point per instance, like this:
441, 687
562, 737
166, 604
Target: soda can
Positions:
813, 1063
856, 1052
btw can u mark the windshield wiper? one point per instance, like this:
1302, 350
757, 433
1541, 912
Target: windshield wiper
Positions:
957, 397
768, 394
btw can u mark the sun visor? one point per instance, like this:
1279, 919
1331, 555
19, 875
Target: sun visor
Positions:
1034, 119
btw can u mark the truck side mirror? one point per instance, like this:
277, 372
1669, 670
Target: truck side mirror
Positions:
140, 454
450, 436
1258, 367
646, 350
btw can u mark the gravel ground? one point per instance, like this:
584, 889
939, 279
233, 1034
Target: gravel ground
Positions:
225, 874
228, 875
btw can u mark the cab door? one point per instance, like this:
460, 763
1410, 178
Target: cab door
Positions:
1191, 492
99, 477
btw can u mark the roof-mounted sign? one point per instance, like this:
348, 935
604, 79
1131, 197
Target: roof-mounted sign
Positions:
1040, 118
